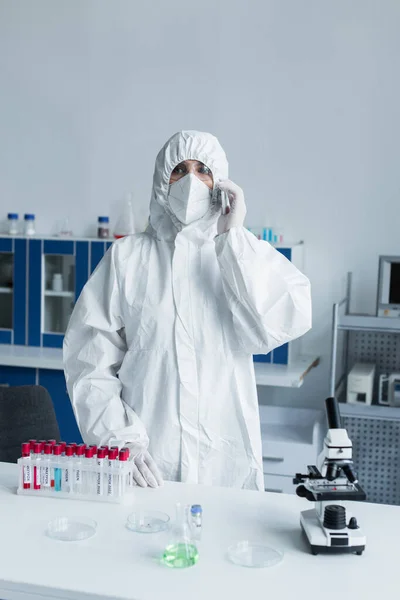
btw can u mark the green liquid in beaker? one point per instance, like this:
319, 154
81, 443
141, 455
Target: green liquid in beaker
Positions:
179, 556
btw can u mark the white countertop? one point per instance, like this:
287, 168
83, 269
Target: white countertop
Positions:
119, 564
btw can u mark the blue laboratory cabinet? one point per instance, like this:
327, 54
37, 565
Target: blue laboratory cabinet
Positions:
40, 281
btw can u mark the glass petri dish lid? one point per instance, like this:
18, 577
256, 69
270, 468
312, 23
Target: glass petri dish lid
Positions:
71, 529
147, 521
254, 555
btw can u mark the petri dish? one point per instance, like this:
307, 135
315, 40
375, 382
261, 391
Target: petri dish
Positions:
71, 529
147, 521
249, 554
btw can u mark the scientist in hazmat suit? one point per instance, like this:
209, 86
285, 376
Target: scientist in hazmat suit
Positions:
158, 351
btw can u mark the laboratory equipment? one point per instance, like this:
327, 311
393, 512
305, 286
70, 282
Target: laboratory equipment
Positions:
64, 229
329, 527
147, 521
181, 551
273, 235
389, 389
75, 472
360, 384
196, 520
125, 224
71, 529
388, 303
29, 224
103, 229
57, 282
248, 554
12, 223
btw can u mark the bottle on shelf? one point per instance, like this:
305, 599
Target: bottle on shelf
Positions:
13, 223
126, 222
57, 282
103, 229
30, 228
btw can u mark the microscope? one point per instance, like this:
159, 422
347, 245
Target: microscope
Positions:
328, 527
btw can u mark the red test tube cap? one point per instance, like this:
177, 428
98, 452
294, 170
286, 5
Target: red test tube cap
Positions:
26, 448
112, 453
101, 453
48, 448
89, 452
124, 454
63, 445
32, 443
37, 448
52, 442
57, 450
80, 450
69, 450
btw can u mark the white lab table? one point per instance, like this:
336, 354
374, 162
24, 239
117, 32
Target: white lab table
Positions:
119, 564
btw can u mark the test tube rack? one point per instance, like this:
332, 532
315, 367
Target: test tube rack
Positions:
75, 481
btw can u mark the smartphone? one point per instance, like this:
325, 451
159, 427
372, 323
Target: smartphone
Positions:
225, 206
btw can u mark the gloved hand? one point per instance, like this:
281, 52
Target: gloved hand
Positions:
145, 471
237, 212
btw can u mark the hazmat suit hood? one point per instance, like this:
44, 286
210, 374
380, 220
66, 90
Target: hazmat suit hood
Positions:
185, 145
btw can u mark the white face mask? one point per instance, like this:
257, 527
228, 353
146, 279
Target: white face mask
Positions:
189, 198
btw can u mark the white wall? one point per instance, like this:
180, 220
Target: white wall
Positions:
304, 96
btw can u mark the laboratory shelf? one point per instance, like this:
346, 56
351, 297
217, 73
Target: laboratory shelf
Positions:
368, 323
30, 356
51, 358
54, 294
291, 375
373, 411
5, 290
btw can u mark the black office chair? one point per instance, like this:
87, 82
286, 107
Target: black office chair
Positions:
26, 412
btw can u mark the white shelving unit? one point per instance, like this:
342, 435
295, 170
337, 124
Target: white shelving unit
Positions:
285, 375
53, 294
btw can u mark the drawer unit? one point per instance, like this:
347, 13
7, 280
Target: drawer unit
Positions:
279, 484
291, 440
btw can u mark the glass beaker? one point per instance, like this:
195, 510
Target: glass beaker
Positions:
181, 551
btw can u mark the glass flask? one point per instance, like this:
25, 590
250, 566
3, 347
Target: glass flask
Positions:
181, 550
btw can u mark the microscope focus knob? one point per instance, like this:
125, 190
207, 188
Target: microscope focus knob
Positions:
335, 517
353, 523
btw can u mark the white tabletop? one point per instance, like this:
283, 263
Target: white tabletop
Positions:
119, 564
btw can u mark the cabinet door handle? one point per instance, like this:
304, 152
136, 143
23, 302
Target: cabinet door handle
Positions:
275, 490
274, 458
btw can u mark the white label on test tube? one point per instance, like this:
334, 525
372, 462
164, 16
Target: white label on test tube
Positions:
112, 455
101, 453
66, 484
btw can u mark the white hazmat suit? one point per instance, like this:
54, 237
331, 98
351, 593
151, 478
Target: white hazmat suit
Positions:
158, 352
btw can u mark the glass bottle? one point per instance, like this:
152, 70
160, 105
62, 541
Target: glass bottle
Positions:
181, 551
12, 219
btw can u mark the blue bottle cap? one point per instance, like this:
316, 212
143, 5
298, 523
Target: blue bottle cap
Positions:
196, 509
103, 219
29, 217
12, 216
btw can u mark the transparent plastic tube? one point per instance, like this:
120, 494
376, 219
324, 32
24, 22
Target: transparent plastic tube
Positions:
101, 456
68, 460
122, 460
47, 478
27, 466
77, 475
88, 481
57, 453
37, 475
112, 461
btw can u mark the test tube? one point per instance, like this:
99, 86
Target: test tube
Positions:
196, 514
57, 451
88, 474
52, 442
26, 466
122, 458
112, 457
37, 454
101, 455
63, 446
67, 475
46, 468
77, 478
32, 443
